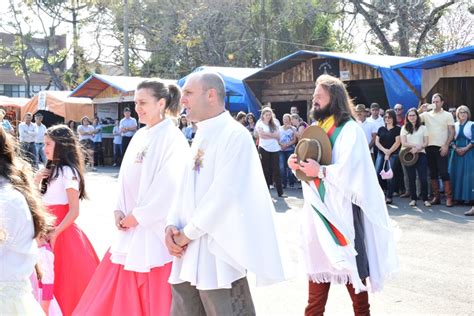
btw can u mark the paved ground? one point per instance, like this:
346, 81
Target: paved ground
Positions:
435, 248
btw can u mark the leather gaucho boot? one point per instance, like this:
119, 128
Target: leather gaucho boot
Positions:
449, 193
436, 197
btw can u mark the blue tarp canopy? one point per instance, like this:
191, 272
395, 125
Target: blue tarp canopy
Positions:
239, 97
395, 88
439, 60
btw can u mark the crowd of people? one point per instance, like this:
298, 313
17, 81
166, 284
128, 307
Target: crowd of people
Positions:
422, 152
190, 256
439, 141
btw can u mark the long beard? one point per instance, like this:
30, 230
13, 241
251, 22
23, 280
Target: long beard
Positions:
319, 114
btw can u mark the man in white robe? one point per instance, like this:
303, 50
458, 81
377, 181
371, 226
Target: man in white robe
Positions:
224, 228
347, 236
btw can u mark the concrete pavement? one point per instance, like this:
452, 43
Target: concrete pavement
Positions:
435, 249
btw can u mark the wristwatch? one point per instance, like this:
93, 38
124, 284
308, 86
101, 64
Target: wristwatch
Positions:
322, 172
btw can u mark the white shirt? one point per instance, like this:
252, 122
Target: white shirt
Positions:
127, 123
379, 122
40, 131
228, 218
270, 144
88, 129
150, 186
56, 192
27, 132
369, 129
417, 137
19, 252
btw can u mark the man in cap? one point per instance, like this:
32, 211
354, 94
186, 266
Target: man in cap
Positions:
347, 236
39, 142
224, 227
128, 126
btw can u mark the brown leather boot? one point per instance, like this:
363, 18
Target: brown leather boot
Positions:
449, 193
436, 196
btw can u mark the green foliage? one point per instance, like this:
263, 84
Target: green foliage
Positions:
182, 35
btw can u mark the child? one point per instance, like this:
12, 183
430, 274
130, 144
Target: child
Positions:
74, 257
117, 144
46, 278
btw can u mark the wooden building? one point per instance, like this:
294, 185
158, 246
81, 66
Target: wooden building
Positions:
290, 81
110, 96
450, 73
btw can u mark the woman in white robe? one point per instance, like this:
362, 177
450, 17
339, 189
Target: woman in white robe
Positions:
132, 279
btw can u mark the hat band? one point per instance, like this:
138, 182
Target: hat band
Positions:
319, 151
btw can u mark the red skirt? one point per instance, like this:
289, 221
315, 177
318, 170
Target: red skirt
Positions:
115, 291
75, 262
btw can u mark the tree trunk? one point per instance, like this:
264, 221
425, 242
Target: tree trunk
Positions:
75, 44
403, 32
126, 70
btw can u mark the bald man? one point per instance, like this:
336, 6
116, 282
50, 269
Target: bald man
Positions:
224, 227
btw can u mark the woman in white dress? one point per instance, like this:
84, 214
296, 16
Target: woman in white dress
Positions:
132, 279
22, 218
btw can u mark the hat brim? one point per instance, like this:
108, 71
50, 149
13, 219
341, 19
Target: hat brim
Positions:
316, 132
407, 158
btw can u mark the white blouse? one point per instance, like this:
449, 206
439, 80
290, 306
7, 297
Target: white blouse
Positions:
56, 192
18, 249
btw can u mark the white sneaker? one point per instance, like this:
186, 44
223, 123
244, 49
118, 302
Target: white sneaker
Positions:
412, 203
427, 203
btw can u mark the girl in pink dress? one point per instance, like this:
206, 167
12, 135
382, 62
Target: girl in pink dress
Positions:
74, 257
132, 279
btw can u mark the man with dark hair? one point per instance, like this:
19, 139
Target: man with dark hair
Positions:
128, 126
440, 127
224, 227
347, 236
39, 142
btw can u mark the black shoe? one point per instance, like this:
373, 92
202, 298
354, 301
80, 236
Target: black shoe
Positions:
282, 195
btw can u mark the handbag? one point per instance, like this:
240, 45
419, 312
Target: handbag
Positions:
386, 175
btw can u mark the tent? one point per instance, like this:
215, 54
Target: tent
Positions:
239, 96
450, 73
60, 104
395, 86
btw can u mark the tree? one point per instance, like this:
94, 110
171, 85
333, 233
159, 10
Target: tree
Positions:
397, 25
75, 12
24, 54
182, 35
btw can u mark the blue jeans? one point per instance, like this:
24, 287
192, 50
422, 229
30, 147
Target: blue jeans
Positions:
118, 154
40, 155
287, 176
378, 167
421, 167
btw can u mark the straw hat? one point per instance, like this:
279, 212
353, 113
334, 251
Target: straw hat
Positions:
314, 144
407, 158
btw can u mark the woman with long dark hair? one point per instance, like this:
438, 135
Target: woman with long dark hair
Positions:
414, 136
22, 219
388, 143
269, 148
63, 185
132, 279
